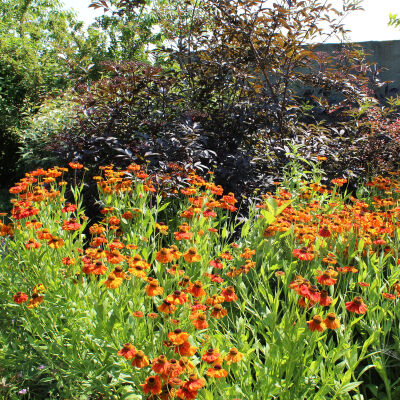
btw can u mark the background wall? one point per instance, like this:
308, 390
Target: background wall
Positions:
386, 54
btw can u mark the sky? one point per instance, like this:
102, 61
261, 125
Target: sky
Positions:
370, 24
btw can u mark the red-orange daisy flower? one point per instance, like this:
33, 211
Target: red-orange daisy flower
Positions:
331, 321
152, 385
217, 372
210, 356
303, 254
316, 324
357, 305
20, 297
128, 351
177, 337
140, 360
326, 278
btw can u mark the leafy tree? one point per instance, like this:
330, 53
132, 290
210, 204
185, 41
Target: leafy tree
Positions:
33, 33
129, 26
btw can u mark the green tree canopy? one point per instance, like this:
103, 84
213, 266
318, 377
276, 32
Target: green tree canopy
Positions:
32, 34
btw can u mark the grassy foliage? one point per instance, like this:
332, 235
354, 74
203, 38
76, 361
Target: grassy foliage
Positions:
75, 291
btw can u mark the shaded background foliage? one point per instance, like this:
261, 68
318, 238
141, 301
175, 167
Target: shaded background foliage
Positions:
219, 84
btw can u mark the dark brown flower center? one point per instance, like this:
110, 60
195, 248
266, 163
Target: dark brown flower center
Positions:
317, 319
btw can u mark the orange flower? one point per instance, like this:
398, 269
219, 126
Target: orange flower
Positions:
218, 311
324, 232
138, 314
185, 349
127, 215
160, 365
177, 297
138, 271
99, 268
229, 294
326, 278
67, 260
209, 213
226, 256
210, 356
194, 382
316, 324
162, 227
331, 321
247, 253
177, 337
164, 256
44, 234
175, 252
215, 299
303, 254
114, 257
217, 372
152, 385
313, 294
216, 263
55, 242
140, 360
35, 300
128, 351
166, 307
98, 241
339, 181
75, 165
200, 321
174, 368
32, 244
38, 288
192, 256
112, 282
357, 305
120, 273
153, 289
186, 394
324, 299
20, 297
116, 244
96, 229
71, 225
389, 296
183, 232
233, 356
197, 289
134, 167
114, 220
33, 224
